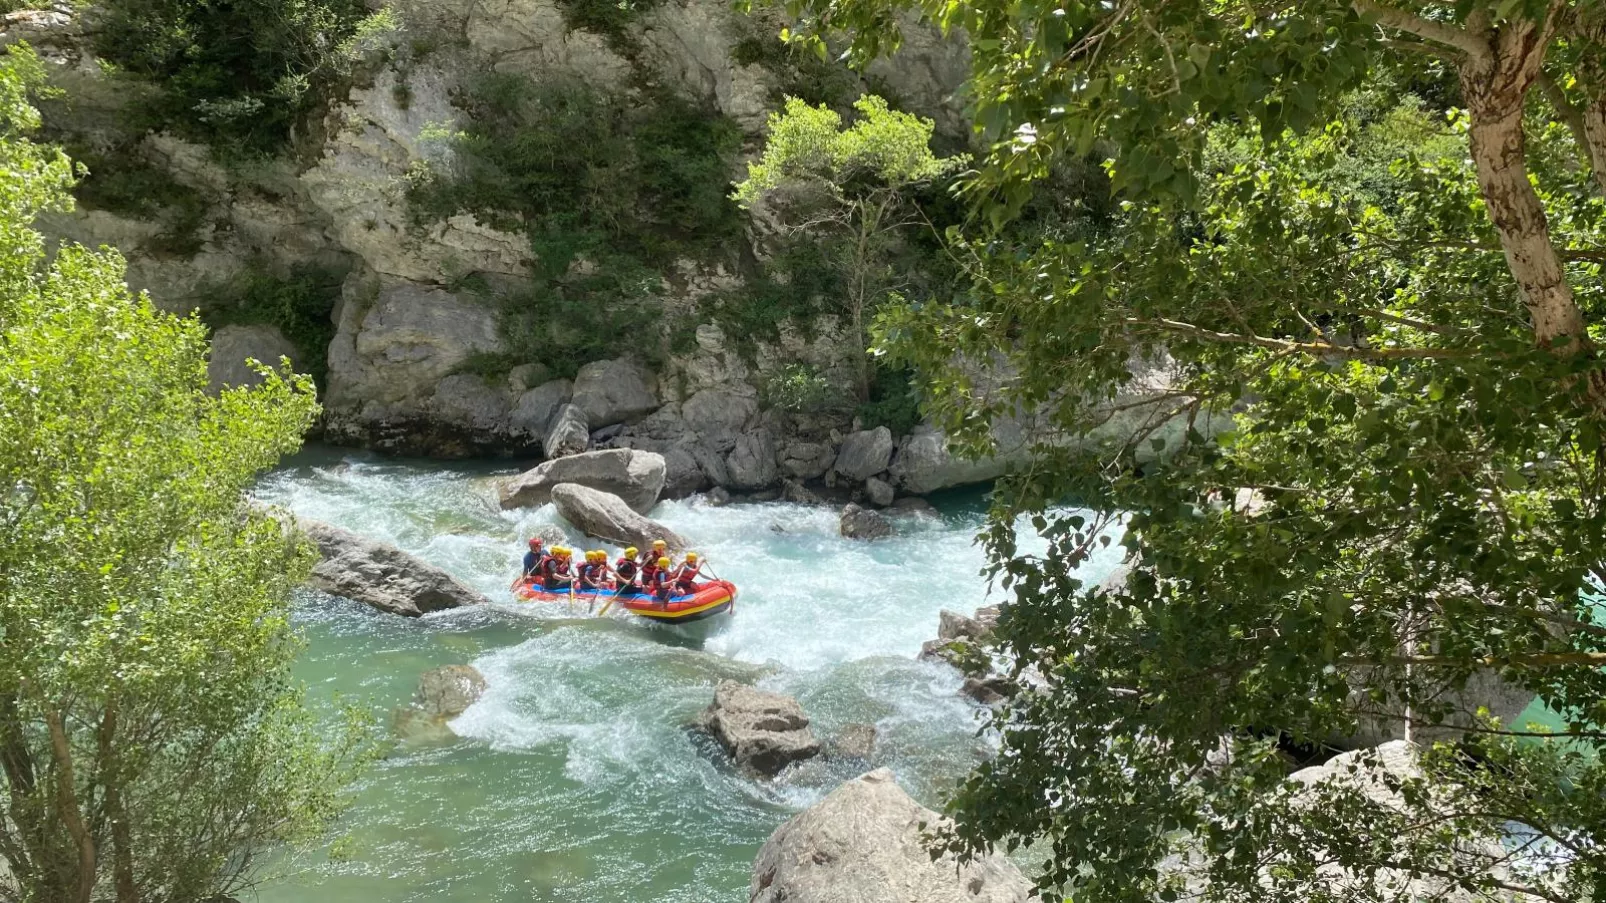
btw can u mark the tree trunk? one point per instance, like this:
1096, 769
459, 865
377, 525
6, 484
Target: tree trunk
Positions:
1495, 87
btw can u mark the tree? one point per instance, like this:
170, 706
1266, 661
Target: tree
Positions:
1400, 303
151, 744
853, 184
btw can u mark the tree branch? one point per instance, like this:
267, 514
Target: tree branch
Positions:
1316, 348
1532, 660
1426, 29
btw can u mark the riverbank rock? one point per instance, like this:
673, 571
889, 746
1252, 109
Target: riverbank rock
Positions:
443, 694
232, 345
607, 517
863, 844
988, 690
763, 732
862, 523
568, 434
751, 463
636, 477
864, 454
879, 492
958, 643
613, 391
381, 575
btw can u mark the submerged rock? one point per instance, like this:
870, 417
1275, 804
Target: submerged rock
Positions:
443, 694
861, 523
607, 517
763, 732
381, 575
636, 477
863, 844
991, 690
854, 741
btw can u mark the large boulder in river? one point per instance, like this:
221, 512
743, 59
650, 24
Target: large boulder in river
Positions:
381, 575
864, 454
863, 844
615, 391
763, 732
568, 434
637, 477
607, 517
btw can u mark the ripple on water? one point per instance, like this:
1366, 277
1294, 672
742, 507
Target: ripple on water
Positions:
574, 778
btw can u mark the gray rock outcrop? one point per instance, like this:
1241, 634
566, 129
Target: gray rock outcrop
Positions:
535, 408
568, 434
607, 517
854, 741
863, 844
381, 575
879, 492
864, 454
751, 464
763, 732
613, 391
233, 345
863, 523
636, 477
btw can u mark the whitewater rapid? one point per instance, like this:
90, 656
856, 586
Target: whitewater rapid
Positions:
574, 778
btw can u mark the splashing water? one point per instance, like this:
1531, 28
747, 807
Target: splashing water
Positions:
574, 778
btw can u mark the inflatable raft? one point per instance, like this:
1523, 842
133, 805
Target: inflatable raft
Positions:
712, 598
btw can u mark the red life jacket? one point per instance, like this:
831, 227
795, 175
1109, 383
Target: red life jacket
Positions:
626, 569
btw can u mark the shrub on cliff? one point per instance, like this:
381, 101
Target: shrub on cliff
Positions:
237, 75
152, 745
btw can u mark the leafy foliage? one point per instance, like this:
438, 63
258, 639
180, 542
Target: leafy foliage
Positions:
236, 75
1398, 315
153, 746
851, 189
800, 389
610, 18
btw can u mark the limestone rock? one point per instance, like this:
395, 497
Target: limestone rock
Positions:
854, 741
861, 523
636, 477
807, 460
568, 433
536, 408
606, 517
863, 843
880, 492
232, 345
987, 690
613, 391
682, 475
718, 497
381, 575
864, 454
751, 464
716, 412
798, 494
923, 464
465, 401
952, 625
763, 732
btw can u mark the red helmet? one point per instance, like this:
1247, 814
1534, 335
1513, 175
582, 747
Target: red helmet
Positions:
535, 543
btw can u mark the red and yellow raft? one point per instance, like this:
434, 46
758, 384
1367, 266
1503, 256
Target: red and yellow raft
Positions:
712, 598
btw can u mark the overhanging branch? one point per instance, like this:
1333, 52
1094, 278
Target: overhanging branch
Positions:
1426, 29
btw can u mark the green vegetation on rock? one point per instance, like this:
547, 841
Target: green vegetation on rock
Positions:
301, 304
122, 182
612, 192
153, 745
238, 76
1334, 219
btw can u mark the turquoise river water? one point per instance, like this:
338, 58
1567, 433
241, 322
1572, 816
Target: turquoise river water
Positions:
574, 778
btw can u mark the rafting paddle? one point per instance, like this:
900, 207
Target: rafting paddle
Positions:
612, 599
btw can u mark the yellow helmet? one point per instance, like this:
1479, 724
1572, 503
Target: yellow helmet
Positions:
600, 555
563, 551
691, 556
663, 562
659, 544
631, 552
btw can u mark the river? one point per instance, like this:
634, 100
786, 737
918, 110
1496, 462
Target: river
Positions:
574, 779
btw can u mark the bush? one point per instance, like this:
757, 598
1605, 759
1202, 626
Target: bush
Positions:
609, 18
801, 389
893, 402
237, 75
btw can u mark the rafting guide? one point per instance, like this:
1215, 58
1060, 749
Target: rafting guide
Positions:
649, 583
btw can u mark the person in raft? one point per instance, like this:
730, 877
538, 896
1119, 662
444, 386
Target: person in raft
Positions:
595, 573
660, 584
627, 571
534, 558
555, 573
650, 557
686, 575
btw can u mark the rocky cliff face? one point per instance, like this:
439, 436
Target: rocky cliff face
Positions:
414, 318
